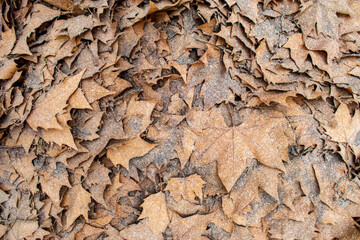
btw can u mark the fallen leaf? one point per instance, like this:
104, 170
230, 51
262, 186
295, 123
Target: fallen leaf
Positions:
39, 15
76, 200
154, 208
121, 153
347, 128
94, 91
44, 113
218, 86
321, 16
257, 137
188, 188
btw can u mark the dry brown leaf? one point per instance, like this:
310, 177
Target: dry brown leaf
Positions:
347, 128
7, 68
321, 16
21, 230
39, 15
76, 200
298, 51
218, 86
248, 8
188, 188
66, 5
138, 115
122, 152
246, 190
186, 147
7, 42
44, 113
154, 208
190, 228
257, 137
60, 136
140, 231
78, 100
94, 91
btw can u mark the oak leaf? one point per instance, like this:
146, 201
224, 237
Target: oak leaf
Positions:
188, 188
154, 208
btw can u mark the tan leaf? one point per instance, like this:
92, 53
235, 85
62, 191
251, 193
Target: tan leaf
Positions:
7, 42
188, 145
298, 51
248, 8
154, 208
63, 4
77, 200
258, 137
7, 69
190, 228
94, 91
44, 113
60, 136
218, 86
21, 230
121, 153
138, 115
78, 100
347, 128
236, 204
140, 231
39, 15
321, 16
188, 188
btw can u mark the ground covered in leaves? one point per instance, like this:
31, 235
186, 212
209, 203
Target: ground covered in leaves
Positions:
179, 119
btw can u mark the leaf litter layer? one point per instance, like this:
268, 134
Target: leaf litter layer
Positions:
179, 119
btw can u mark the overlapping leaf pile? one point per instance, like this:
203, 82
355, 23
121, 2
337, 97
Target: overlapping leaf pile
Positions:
179, 119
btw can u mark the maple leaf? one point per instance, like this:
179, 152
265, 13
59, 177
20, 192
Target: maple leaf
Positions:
236, 203
298, 51
77, 200
137, 117
44, 113
60, 136
321, 14
154, 208
189, 188
94, 91
248, 8
218, 86
140, 231
258, 137
190, 228
63, 4
122, 152
38, 16
347, 128
22, 229
53, 180
8, 41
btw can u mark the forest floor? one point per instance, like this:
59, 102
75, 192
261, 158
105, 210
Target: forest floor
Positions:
180, 119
